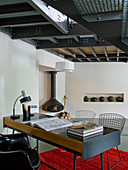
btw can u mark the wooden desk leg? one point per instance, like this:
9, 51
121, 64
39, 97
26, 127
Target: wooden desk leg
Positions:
102, 163
75, 161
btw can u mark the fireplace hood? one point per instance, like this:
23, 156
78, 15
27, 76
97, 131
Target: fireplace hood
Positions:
53, 105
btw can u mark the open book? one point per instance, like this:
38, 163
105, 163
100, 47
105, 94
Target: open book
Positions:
49, 124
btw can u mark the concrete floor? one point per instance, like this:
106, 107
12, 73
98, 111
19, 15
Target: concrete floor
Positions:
124, 143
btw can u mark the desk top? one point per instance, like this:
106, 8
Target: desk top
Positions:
60, 138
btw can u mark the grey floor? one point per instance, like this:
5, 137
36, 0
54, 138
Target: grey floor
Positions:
124, 143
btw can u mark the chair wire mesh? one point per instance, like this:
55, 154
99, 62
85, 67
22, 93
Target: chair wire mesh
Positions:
112, 120
85, 114
115, 121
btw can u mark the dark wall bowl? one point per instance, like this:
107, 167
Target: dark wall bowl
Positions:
110, 98
94, 99
119, 99
101, 99
86, 98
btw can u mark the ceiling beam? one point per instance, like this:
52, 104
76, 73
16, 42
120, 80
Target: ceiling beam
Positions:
7, 2
14, 10
101, 56
32, 42
106, 16
54, 40
118, 54
55, 52
76, 38
52, 15
23, 21
7, 31
96, 37
94, 53
82, 53
110, 31
106, 53
47, 31
65, 43
69, 52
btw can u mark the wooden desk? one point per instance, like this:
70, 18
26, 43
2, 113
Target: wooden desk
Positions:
59, 138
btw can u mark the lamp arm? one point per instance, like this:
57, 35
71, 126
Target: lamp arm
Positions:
15, 104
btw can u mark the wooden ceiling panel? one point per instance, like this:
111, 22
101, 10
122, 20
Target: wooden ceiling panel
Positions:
60, 50
111, 49
121, 51
99, 50
86, 50
74, 51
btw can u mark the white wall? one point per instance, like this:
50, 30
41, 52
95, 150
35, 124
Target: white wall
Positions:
97, 78
48, 59
19, 70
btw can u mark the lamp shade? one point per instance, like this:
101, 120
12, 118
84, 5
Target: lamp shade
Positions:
64, 66
25, 99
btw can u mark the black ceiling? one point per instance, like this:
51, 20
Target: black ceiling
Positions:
101, 37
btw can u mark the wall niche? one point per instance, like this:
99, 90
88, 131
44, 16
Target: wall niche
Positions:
103, 97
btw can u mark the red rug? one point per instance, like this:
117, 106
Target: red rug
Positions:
64, 161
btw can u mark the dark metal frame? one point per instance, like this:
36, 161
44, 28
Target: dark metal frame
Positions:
28, 21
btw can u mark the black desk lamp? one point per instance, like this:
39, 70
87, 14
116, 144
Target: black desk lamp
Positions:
22, 101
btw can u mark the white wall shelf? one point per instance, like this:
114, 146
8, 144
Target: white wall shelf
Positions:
103, 97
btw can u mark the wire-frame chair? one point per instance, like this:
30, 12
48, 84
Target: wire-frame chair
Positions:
115, 121
85, 114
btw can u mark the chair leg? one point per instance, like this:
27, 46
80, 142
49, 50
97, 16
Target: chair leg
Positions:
107, 161
102, 161
75, 161
37, 145
118, 153
116, 163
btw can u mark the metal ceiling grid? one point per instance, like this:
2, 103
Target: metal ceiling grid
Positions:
87, 7
37, 23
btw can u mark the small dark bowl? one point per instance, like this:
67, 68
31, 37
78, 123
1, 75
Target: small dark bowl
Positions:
86, 98
94, 99
119, 99
110, 98
101, 99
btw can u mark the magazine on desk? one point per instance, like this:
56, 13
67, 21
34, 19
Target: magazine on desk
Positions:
49, 124
85, 129
100, 131
84, 137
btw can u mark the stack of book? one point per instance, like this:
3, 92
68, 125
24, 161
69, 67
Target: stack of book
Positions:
86, 130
